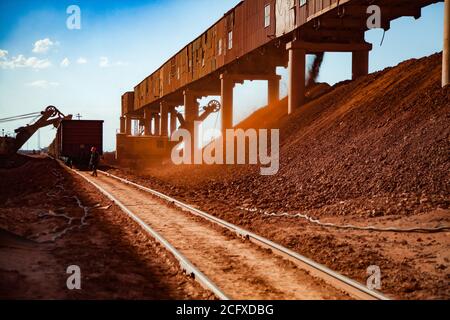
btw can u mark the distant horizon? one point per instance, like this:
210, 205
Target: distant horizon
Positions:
86, 71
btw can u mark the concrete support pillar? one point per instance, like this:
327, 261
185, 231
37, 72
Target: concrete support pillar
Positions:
122, 125
446, 51
128, 125
296, 87
173, 120
191, 109
147, 123
151, 124
360, 64
274, 91
191, 115
157, 118
164, 119
227, 86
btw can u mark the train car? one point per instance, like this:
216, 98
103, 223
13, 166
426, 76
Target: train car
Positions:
75, 139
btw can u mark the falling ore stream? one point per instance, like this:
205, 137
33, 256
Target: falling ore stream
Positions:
314, 71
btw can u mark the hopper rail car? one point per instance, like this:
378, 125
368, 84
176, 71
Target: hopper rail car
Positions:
74, 141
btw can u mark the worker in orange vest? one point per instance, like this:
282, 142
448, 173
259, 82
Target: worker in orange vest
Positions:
95, 159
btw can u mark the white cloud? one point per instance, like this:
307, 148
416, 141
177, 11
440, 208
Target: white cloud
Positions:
23, 62
42, 84
42, 46
81, 60
3, 54
65, 63
105, 63
121, 63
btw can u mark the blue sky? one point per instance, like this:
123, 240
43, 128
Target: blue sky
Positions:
121, 42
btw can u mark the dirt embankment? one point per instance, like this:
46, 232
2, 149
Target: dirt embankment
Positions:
50, 220
375, 151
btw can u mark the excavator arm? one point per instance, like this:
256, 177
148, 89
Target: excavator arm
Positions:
50, 116
213, 106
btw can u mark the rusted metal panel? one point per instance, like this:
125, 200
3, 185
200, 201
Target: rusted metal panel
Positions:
183, 68
127, 103
213, 48
153, 87
246, 23
149, 95
314, 7
230, 35
238, 41
142, 96
256, 33
302, 14
221, 43
137, 97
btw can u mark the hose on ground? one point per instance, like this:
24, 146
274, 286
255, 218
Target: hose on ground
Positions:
70, 220
348, 226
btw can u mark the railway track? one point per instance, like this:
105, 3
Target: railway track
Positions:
207, 249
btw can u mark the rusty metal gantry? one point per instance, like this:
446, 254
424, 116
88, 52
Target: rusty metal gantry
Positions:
249, 43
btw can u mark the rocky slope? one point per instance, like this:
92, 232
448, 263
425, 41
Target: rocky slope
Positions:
371, 151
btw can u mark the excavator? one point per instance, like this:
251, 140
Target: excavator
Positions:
213, 106
9, 146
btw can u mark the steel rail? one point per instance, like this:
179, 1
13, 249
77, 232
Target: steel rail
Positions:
352, 287
185, 264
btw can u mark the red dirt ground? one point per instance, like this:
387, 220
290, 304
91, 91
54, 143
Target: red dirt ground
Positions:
117, 260
375, 151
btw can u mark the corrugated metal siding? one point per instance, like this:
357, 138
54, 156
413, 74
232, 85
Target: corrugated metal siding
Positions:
311, 8
201, 57
127, 102
221, 36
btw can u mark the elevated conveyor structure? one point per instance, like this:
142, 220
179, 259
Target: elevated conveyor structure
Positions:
248, 43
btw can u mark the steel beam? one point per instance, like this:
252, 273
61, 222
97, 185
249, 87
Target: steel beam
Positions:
157, 118
122, 125
297, 81
227, 86
314, 47
360, 64
274, 91
164, 119
406, 10
173, 120
128, 125
204, 93
241, 77
147, 122
191, 114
